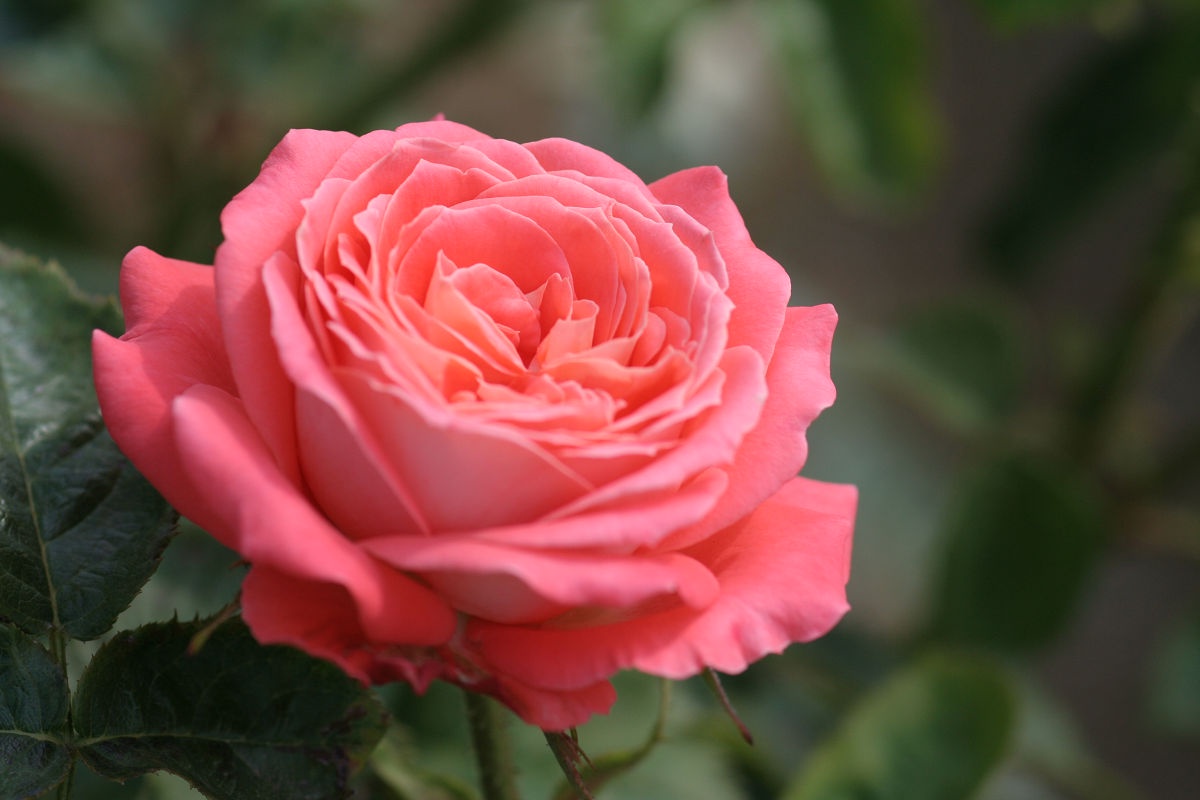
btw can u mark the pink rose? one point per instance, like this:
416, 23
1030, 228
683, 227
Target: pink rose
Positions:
493, 413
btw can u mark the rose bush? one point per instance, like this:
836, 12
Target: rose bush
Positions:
500, 414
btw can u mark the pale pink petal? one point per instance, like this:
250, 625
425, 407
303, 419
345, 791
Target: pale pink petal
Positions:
782, 573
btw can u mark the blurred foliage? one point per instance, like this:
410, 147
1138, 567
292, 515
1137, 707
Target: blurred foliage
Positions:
1041, 423
859, 89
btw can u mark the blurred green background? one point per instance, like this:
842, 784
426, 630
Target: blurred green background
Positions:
1001, 197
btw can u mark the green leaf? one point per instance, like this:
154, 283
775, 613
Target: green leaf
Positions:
963, 363
1020, 540
80, 530
238, 720
1127, 105
934, 731
1175, 682
33, 717
859, 89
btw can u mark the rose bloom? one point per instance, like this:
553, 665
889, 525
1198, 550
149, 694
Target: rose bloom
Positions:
493, 413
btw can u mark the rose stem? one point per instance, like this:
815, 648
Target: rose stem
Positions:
492, 752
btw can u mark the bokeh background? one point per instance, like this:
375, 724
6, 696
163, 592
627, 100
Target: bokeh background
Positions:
1001, 197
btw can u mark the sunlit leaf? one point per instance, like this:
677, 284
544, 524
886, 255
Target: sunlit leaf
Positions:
238, 720
859, 88
935, 731
33, 717
1019, 542
80, 530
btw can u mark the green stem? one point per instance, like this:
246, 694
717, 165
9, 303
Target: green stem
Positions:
64, 788
492, 751
58, 648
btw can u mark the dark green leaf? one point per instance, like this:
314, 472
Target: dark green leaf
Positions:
1020, 539
1126, 106
80, 530
860, 91
963, 363
934, 731
33, 717
1175, 682
639, 37
238, 720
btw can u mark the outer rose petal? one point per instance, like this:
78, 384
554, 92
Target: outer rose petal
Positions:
782, 571
758, 285
798, 389
506, 584
257, 222
172, 342
266, 519
556, 711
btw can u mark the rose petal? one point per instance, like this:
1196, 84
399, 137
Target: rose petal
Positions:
260, 220
782, 573
799, 388
462, 475
517, 585
559, 710
758, 286
172, 342
335, 442
619, 528
261, 515
317, 617
564, 155
714, 443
